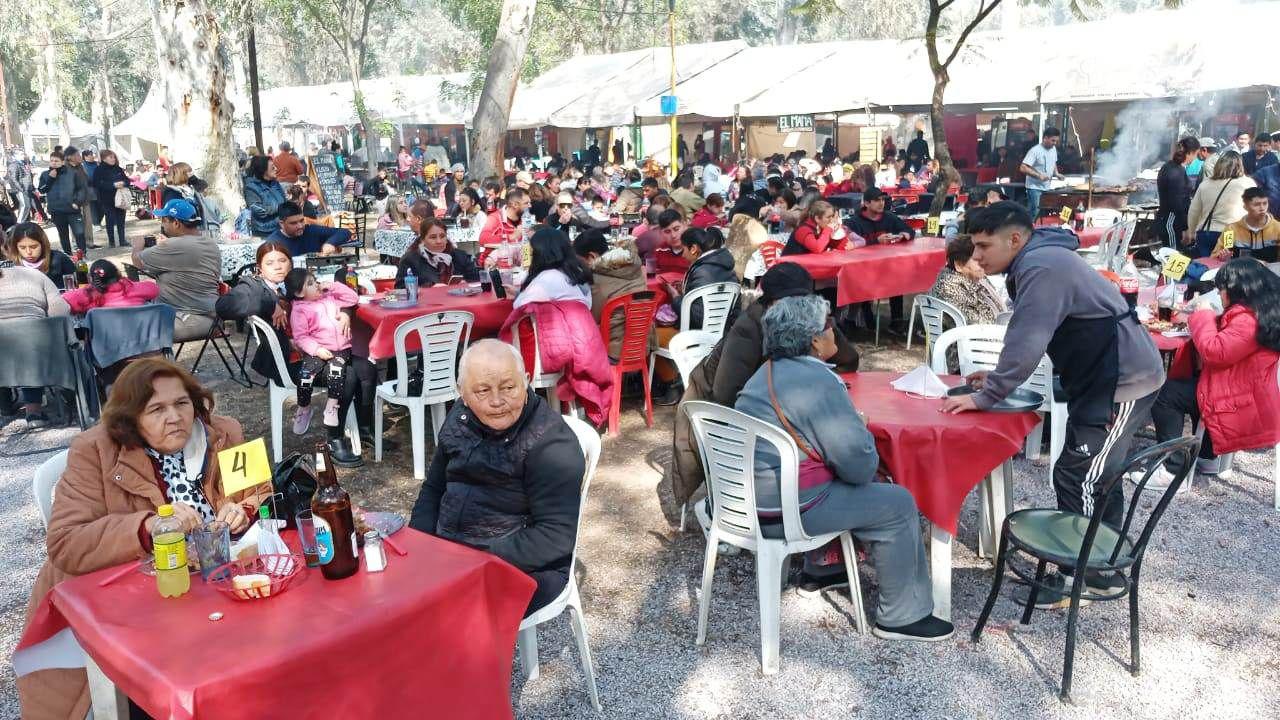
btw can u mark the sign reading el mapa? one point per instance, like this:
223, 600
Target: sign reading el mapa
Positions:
795, 123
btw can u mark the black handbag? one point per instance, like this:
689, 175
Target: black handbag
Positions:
294, 483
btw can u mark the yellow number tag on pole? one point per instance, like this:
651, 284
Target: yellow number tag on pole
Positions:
1228, 239
1175, 266
244, 466
1066, 213
934, 222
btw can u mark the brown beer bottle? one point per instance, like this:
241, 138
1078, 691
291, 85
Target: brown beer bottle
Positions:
331, 515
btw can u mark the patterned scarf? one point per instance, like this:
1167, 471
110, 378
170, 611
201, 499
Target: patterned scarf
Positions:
173, 469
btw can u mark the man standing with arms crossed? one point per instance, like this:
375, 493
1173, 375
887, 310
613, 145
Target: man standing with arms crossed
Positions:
1109, 366
1040, 165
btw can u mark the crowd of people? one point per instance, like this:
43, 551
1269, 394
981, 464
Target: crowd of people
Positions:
506, 468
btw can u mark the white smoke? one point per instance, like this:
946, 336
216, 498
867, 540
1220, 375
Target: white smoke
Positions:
1145, 134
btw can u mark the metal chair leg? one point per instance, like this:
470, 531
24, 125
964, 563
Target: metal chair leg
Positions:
1035, 593
996, 582
1073, 614
1135, 658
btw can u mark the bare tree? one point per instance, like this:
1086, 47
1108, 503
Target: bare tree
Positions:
191, 58
506, 58
347, 23
940, 66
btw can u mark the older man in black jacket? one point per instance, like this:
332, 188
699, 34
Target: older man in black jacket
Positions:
507, 473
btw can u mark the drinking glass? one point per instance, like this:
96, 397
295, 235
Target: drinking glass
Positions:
212, 542
446, 274
307, 538
69, 282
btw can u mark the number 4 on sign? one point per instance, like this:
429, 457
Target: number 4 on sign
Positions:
244, 466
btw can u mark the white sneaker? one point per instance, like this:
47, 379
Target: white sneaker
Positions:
1160, 479
302, 420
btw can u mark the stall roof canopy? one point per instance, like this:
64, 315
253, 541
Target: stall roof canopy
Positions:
1124, 57
399, 99
46, 121
604, 90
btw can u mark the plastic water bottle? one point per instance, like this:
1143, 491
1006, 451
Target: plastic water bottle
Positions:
411, 286
169, 547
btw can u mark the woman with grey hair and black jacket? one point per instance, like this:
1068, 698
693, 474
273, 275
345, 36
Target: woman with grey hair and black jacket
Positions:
797, 391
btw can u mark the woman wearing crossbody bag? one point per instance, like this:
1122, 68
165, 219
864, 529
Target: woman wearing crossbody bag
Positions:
1218, 202
797, 391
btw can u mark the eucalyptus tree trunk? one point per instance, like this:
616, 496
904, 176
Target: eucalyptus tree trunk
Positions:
191, 62
506, 58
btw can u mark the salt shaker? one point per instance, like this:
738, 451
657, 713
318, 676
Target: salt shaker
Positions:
375, 557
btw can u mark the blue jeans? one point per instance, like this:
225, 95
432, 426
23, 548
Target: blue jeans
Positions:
1033, 202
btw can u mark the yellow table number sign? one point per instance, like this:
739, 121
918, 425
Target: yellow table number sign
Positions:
1175, 266
932, 227
1228, 239
1066, 213
244, 466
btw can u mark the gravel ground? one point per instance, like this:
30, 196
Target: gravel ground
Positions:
1211, 628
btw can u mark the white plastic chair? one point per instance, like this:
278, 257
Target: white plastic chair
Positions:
688, 348
442, 336
718, 301
979, 348
527, 639
278, 394
539, 380
46, 477
932, 311
727, 441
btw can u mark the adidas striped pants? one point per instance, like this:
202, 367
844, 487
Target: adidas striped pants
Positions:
1092, 455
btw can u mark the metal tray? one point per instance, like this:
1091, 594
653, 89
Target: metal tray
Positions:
465, 291
1020, 400
394, 304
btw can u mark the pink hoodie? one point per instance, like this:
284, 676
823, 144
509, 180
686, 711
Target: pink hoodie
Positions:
315, 322
122, 293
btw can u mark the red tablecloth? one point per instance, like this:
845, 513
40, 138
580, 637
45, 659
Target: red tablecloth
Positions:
655, 284
938, 457
875, 272
432, 635
490, 313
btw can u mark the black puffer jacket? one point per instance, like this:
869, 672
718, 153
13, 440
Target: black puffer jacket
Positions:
463, 266
713, 266
513, 493
254, 296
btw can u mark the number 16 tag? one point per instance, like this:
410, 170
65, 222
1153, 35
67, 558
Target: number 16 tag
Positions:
244, 466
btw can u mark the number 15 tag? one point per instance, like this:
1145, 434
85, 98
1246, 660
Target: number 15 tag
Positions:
244, 466
1175, 266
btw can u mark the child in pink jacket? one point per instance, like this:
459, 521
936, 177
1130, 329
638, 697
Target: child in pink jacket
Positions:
108, 290
322, 336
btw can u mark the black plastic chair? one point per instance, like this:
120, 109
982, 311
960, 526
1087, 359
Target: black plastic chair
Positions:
1072, 540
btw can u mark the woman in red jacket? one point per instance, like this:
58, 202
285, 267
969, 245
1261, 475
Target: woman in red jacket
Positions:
1236, 394
820, 231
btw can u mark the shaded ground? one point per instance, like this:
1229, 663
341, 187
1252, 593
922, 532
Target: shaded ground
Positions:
1211, 628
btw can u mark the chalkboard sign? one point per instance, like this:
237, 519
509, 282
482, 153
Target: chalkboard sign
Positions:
795, 123
324, 173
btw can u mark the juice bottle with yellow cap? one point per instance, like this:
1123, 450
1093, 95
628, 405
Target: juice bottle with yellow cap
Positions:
169, 546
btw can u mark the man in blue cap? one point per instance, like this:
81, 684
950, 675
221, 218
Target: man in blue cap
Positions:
304, 239
187, 267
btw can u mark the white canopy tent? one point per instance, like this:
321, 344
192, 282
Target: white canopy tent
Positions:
141, 134
48, 126
602, 91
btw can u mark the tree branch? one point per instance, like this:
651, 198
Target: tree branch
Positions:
983, 11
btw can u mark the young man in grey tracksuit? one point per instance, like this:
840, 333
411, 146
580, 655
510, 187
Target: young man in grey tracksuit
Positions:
1109, 366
